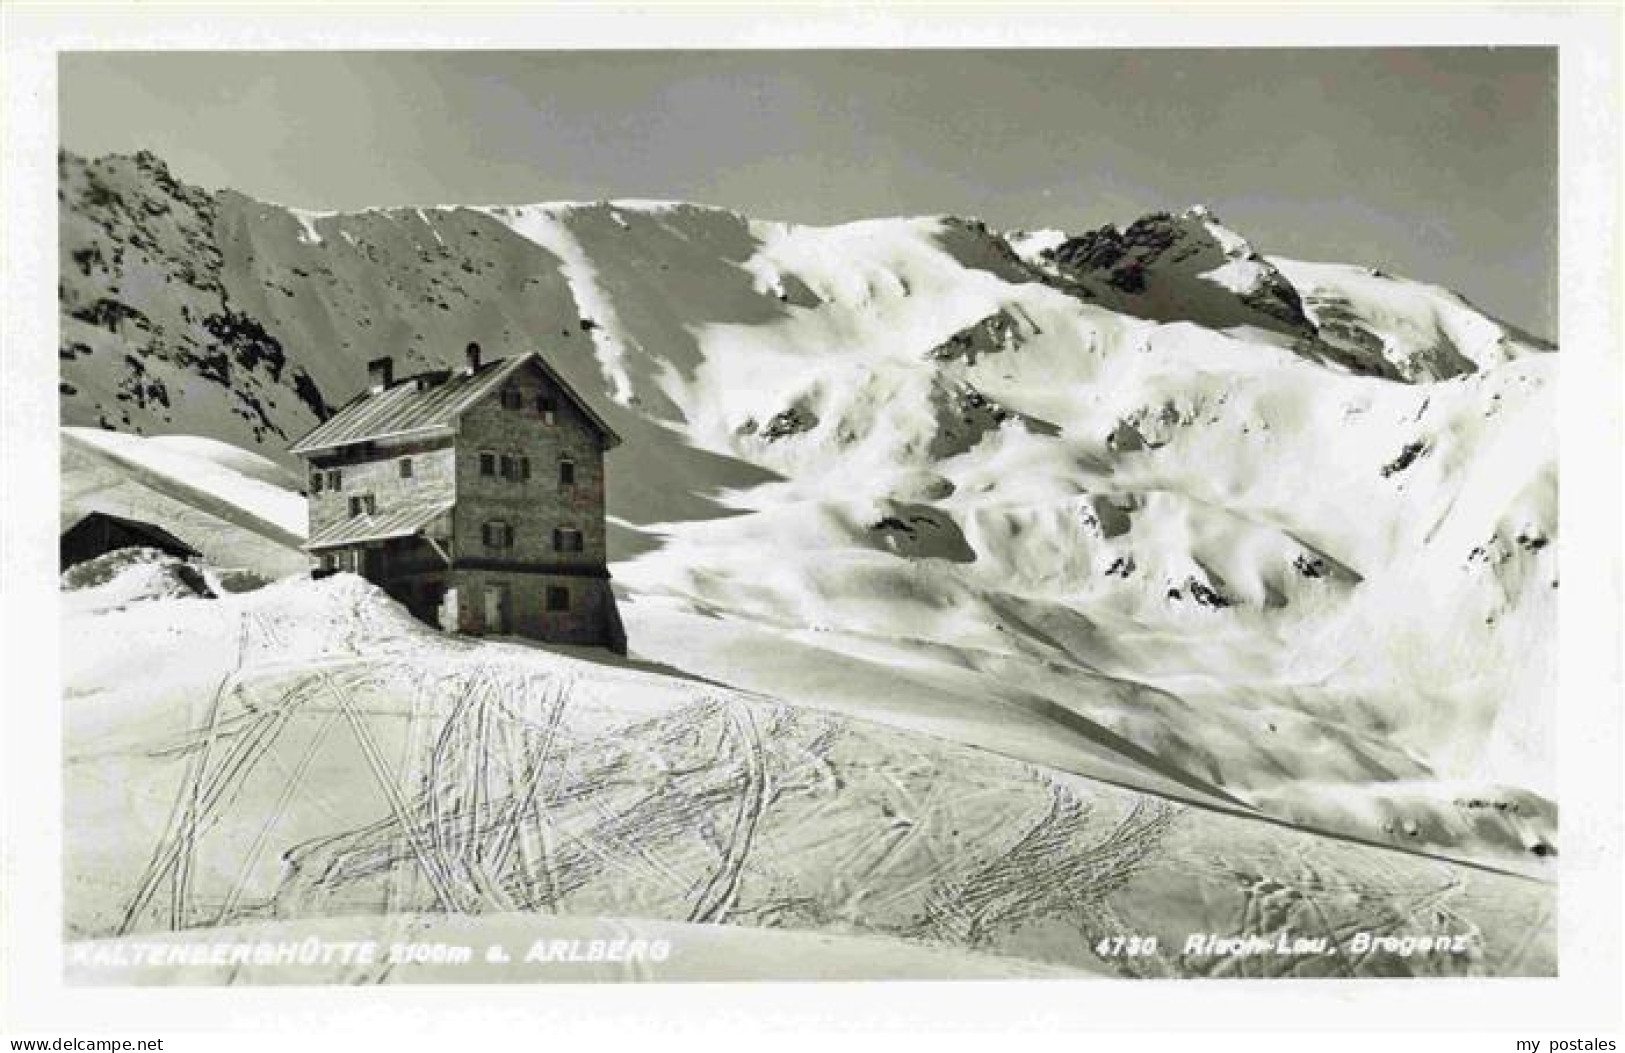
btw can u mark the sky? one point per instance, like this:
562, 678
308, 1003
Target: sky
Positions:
1437, 164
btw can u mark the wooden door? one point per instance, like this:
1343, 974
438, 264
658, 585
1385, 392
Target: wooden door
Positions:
496, 608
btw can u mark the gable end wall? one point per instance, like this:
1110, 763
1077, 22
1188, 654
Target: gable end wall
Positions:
533, 508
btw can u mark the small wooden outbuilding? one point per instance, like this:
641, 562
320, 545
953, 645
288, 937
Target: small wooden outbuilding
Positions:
97, 533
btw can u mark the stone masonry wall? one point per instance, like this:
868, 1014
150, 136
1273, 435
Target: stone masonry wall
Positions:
586, 622
433, 476
533, 508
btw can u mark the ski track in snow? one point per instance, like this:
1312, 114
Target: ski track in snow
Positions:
491, 779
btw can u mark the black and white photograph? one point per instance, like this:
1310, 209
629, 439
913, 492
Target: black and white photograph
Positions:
1091, 514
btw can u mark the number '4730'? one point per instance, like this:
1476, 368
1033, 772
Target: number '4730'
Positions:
1126, 946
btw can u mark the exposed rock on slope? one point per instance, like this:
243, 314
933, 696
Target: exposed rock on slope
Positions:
152, 339
1179, 267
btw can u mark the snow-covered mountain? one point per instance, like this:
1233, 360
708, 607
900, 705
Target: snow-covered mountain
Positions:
1144, 503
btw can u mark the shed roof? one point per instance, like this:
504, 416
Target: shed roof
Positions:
138, 526
401, 521
429, 403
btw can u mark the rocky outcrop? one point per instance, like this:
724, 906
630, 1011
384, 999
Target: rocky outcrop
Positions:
1184, 267
147, 316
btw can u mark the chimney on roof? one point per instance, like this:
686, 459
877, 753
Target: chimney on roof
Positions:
381, 373
473, 355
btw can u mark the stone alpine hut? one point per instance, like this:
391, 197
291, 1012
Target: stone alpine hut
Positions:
474, 496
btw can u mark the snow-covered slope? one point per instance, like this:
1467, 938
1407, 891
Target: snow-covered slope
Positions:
239, 509
249, 483
1276, 531
1424, 331
306, 761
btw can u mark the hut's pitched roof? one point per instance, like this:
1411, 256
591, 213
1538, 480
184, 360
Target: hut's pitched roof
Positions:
428, 404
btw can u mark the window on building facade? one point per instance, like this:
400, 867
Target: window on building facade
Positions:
547, 407
316, 480
558, 597
515, 467
335, 479
567, 473
496, 534
567, 539
363, 504
406, 467
488, 463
